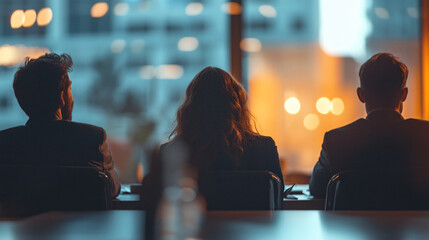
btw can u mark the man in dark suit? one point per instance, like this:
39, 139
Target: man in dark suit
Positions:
384, 139
50, 138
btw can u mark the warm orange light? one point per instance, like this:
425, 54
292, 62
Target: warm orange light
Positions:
12, 55
292, 105
323, 105
99, 9
311, 121
337, 106
232, 8
140, 172
44, 17
30, 18
17, 19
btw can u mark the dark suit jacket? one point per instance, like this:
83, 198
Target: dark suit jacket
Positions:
260, 154
383, 140
51, 142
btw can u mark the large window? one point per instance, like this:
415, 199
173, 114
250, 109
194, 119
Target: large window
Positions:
134, 59
302, 61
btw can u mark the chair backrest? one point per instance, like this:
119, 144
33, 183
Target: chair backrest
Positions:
27, 190
243, 190
392, 189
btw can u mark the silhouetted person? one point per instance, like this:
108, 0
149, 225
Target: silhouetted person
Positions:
384, 139
215, 125
50, 138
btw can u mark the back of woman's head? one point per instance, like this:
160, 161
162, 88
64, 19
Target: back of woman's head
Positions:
214, 116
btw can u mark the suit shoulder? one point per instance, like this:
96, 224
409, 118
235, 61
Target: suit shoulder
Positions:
85, 129
417, 124
417, 121
84, 126
346, 128
12, 131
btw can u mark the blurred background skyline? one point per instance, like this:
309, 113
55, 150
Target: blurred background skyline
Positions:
134, 59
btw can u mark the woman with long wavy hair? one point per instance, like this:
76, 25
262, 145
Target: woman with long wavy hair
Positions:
216, 124
215, 130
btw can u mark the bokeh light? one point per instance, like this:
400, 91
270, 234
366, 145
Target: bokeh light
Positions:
118, 46
187, 44
250, 45
12, 55
169, 71
323, 105
99, 9
232, 8
30, 18
121, 9
337, 106
44, 17
292, 105
17, 19
267, 11
413, 12
381, 13
311, 121
194, 9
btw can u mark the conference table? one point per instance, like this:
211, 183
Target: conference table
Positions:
312, 224
298, 199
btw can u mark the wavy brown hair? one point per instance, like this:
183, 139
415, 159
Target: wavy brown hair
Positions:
214, 118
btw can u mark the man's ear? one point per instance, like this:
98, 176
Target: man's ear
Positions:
62, 101
361, 95
404, 94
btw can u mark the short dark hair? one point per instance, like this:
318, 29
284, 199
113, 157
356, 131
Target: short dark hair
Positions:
382, 77
39, 82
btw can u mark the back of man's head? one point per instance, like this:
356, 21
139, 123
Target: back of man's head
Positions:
382, 78
39, 82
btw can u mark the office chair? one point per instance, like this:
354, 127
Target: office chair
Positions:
388, 189
28, 190
242, 190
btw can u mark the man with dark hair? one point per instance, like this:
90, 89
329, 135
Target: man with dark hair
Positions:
49, 138
384, 139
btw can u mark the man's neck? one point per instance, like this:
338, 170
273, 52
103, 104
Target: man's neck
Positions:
382, 109
374, 108
55, 116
